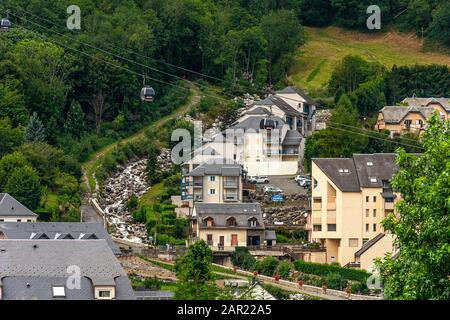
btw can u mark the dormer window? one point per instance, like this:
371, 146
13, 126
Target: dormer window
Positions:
373, 180
253, 222
370, 164
105, 293
209, 222
231, 222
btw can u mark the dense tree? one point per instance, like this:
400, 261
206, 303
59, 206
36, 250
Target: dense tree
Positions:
75, 123
8, 163
23, 184
10, 137
317, 13
439, 29
12, 103
420, 227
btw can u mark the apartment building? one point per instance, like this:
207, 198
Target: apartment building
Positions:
225, 226
350, 198
216, 180
42, 270
401, 119
12, 210
412, 115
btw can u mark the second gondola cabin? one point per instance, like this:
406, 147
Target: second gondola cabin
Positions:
5, 24
148, 94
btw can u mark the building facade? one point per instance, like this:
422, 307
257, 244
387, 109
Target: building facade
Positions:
350, 199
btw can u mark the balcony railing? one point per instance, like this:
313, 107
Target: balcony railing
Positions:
389, 206
231, 197
198, 184
331, 206
230, 184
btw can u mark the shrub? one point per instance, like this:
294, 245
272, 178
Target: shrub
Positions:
359, 288
335, 281
284, 269
242, 258
268, 266
324, 269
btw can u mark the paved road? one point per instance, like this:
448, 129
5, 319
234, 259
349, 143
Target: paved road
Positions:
89, 214
285, 183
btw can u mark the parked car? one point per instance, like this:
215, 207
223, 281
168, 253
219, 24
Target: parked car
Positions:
272, 190
303, 182
258, 179
307, 184
300, 177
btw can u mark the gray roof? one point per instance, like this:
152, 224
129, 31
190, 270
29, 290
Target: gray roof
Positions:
292, 138
220, 212
424, 102
254, 122
369, 244
300, 92
270, 235
257, 111
42, 264
57, 230
219, 166
279, 102
11, 207
352, 174
395, 114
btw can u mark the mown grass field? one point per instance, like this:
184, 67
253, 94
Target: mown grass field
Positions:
325, 47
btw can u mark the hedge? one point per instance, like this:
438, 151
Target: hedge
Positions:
325, 269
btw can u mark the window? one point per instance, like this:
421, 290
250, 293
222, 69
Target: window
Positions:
59, 291
104, 294
29, 220
234, 240
374, 213
373, 180
374, 198
253, 222
317, 203
212, 191
231, 222
209, 239
209, 222
367, 213
367, 227
317, 227
367, 198
331, 227
19, 220
212, 178
353, 242
2, 220
374, 227
315, 183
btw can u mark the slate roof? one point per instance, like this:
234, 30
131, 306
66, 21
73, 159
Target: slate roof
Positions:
279, 102
220, 212
424, 102
395, 114
292, 138
11, 207
254, 122
57, 230
42, 264
220, 166
369, 244
352, 174
300, 92
258, 111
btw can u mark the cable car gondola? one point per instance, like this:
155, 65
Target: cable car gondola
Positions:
5, 24
147, 93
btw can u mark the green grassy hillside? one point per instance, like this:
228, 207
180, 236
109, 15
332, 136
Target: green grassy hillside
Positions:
327, 46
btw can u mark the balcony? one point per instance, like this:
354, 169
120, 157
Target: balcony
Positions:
233, 184
198, 184
389, 206
331, 206
331, 217
198, 198
316, 219
230, 197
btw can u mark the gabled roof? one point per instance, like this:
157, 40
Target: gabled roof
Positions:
424, 102
300, 92
279, 102
220, 212
395, 114
10, 207
57, 231
219, 166
360, 171
254, 122
369, 244
42, 264
292, 138
258, 111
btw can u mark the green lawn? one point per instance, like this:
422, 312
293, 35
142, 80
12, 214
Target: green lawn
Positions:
151, 196
325, 47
